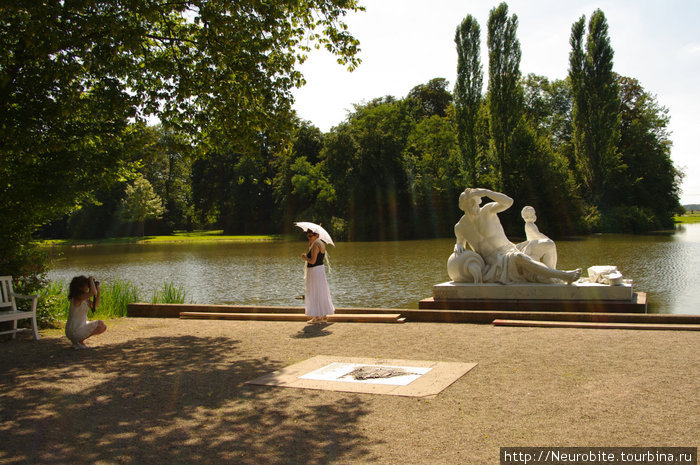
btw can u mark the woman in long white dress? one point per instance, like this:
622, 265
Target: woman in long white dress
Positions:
317, 299
78, 328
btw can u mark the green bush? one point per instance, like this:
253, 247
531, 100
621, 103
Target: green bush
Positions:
28, 265
52, 306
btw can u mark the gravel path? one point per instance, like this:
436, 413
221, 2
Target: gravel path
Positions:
165, 391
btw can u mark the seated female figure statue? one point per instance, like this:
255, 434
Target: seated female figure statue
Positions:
481, 230
537, 245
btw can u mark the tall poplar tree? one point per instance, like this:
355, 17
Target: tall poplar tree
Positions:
596, 110
505, 91
468, 95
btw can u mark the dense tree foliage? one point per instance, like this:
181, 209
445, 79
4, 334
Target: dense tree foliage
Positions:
164, 159
621, 145
375, 183
651, 185
300, 180
73, 75
232, 190
230, 154
393, 171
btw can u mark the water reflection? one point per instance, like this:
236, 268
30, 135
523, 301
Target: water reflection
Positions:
373, 274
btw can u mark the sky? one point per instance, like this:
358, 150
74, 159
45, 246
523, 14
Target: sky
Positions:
409, 42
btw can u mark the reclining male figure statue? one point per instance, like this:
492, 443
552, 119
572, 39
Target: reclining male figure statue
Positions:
481, 230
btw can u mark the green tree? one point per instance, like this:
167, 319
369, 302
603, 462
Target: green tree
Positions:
338, 156
596, 111
307, 142
505, 92
164, 158
301, 160
167, 162
652, 183
140, 203
537, 100
234, 191
380, 131
432, 161
561, 129
433, 98
468, 98
548, 185
211, 189
364, 159
72, 74
548, 108
310, 185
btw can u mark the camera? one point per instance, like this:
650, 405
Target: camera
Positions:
97, 283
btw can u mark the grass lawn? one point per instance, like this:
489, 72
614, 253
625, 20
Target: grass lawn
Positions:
177, 236
688, 218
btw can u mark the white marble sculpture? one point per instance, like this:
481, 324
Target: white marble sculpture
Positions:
495, 259
537, 245
607, 274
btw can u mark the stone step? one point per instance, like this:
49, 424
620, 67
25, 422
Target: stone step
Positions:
597, 325
344, 317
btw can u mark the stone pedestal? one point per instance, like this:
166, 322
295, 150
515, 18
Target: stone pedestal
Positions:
578, 297
532, 291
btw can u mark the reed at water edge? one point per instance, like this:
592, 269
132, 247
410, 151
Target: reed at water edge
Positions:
114, 297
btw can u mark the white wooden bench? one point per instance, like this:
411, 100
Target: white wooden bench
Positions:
8, 308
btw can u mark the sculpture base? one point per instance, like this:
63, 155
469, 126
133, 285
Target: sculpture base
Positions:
577, 297
636, 305
532, 291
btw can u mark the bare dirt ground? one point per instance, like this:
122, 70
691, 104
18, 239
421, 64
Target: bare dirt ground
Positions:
164, 391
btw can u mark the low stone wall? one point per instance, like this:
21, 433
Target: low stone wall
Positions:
147, 310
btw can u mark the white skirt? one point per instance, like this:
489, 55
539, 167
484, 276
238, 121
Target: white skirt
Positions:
317, 299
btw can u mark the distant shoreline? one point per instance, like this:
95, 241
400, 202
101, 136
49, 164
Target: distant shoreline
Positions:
687, 218
191, 237
218, 236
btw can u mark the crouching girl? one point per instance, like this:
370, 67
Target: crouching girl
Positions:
78, 328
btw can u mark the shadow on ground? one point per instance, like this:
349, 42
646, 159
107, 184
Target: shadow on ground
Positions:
313, 330
164, 400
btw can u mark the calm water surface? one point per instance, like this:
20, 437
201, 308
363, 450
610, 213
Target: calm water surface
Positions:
373, 274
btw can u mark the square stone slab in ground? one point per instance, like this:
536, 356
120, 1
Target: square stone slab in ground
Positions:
412, 378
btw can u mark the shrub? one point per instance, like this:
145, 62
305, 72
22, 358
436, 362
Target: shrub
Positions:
52, 306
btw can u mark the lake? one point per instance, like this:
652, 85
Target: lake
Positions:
372, 274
